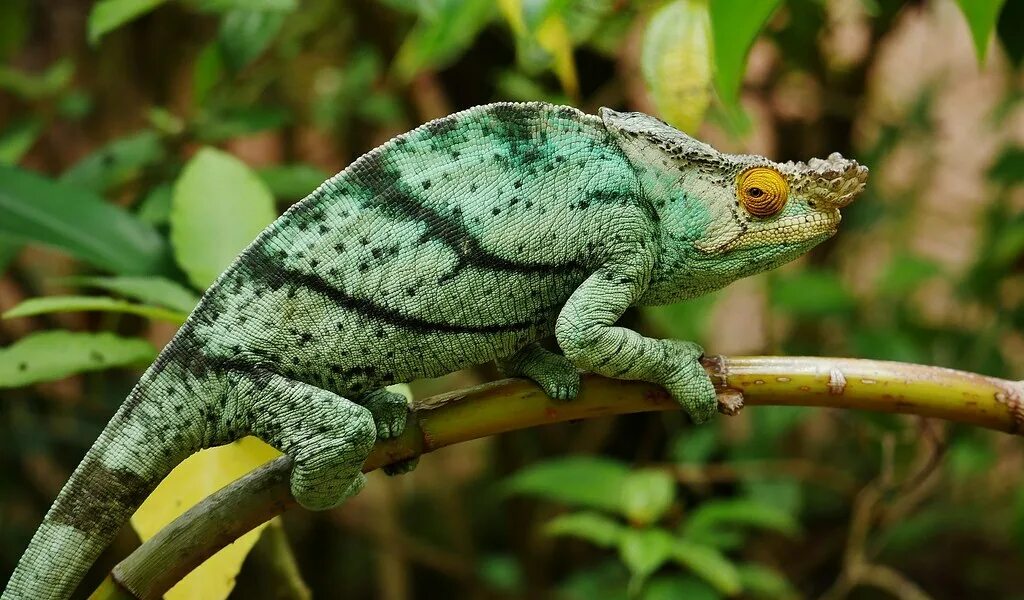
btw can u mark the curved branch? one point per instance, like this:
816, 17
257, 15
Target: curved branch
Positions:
510, 404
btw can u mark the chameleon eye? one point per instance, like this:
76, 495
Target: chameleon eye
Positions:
762, 191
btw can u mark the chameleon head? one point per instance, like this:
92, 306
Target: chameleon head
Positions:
725, 216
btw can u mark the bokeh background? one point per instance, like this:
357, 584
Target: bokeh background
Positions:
145, 141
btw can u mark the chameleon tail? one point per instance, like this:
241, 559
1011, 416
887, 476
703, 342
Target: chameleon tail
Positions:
136, 450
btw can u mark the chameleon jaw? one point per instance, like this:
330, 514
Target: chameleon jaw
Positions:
794, 229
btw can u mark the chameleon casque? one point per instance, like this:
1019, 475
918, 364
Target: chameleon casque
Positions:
466, 240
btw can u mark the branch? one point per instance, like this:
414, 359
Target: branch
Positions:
511, 404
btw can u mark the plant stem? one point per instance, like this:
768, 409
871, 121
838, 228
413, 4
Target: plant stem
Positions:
511, 404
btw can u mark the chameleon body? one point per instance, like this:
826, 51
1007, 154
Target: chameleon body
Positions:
466, 240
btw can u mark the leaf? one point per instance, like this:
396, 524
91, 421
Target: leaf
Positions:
52, 304
245, 34
219, 206
155, 208
1009, 166
679, 587
229, 5
292, 182
646, 495
981, 17
117, 162
17, 139
695, 446
811, 294
759, 581
643, 551
543, 38
734, 27
709, 564
151, 290
444, 29
676, 62
904, 273
31, 86
15, 26
108, 15
191, 481
49, 355
579, 481
553, 36
8, 252
36, 209
230, 123
590, 526
707, 518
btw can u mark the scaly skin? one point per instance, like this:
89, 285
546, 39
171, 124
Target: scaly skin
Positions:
466, 240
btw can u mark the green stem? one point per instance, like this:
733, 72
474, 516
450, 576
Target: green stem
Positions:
510, 404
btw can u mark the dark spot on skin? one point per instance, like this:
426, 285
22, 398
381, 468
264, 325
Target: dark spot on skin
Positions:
495, 211
426, 184
377, 252
363, 267
472, 187
339, 247
97, 500
517, 184
324, 229
364, 241
313, 263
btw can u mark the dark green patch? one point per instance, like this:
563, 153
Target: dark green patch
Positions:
98, 500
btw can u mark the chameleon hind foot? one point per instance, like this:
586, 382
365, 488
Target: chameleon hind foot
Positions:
558, 377
389, 410
328, 437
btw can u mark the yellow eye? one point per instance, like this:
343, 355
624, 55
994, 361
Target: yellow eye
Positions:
762, 191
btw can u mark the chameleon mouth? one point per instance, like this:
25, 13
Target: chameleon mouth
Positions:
796, 229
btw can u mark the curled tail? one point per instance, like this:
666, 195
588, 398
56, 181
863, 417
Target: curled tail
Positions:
137, 449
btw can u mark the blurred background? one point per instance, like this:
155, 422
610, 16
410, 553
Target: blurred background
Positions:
144, 142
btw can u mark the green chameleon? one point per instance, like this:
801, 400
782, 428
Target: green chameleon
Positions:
465, 240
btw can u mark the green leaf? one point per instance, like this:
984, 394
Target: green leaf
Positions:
36, 209
245, 34
704, 522
292, 182
52, 304
676, 62
229, 5
108, 15
219, 206
150, 290
444, 29
1009, 166
49, 355
981, 17
734, 27
904, 273
17, 138
590, 526
679, 587
695, 446
31, 86
226, 124
643, 551
646, 495
578, 480
709, 564
811, 294
759, 581
15, 26
155, 207
8, 252
116, 163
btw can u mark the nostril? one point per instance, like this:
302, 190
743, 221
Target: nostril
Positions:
812, 204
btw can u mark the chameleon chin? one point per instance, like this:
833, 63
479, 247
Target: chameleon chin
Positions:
465, 240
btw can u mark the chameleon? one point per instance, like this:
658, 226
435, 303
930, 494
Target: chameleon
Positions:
474, 237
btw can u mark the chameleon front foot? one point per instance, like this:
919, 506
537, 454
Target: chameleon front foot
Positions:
689, 384
559, 379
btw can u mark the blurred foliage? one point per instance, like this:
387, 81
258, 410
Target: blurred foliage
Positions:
143, 143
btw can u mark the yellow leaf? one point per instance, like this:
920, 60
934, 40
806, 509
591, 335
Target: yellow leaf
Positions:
192, 480
676, 61
513, 12
553, 36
